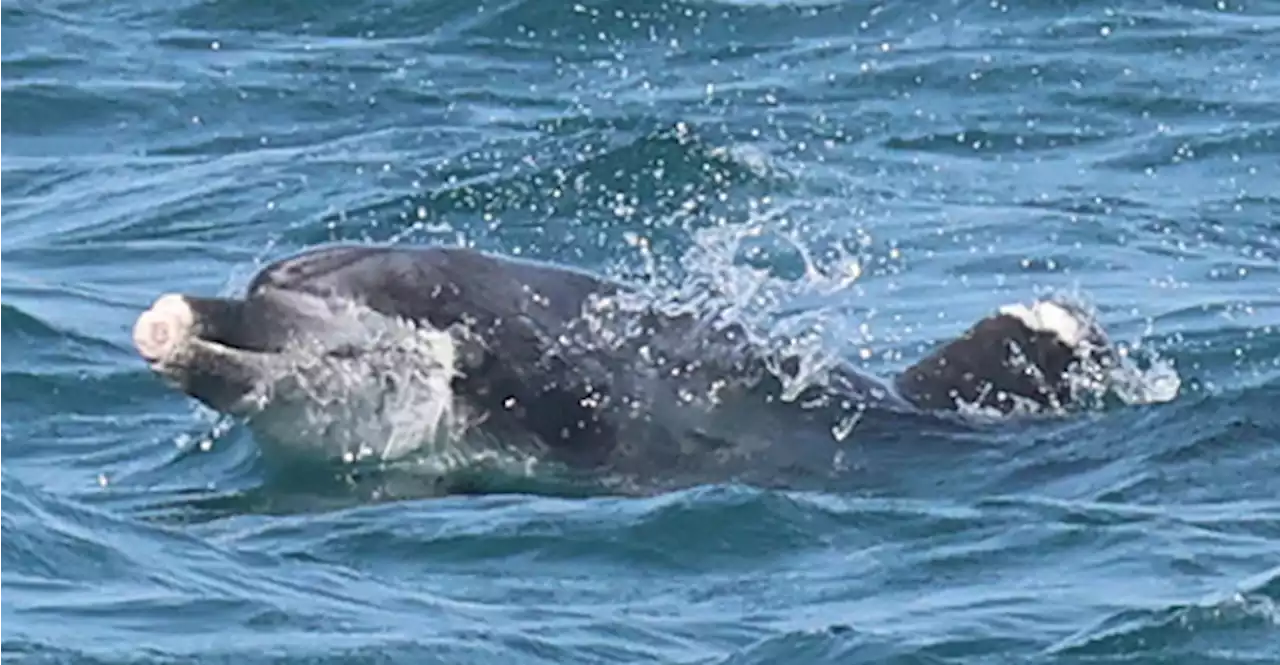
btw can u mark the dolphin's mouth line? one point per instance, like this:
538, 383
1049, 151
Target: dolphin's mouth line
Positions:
168, 337
171, 331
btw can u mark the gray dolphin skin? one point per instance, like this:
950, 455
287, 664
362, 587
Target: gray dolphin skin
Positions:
348, 347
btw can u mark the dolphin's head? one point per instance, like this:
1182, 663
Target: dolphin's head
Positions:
305, 371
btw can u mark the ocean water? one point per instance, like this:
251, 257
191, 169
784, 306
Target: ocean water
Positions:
889, 172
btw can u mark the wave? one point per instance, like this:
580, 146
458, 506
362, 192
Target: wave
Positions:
114, 578
1249, 618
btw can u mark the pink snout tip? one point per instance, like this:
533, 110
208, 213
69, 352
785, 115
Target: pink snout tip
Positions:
161, 330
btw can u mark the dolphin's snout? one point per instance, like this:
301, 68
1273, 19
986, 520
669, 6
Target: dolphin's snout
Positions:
163, 329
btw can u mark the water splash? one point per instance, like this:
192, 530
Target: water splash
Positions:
1133, 373
723, 282
375, 387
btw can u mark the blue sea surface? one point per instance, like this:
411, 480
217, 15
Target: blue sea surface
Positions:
889, 172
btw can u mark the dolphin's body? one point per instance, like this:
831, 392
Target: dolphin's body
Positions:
350, 350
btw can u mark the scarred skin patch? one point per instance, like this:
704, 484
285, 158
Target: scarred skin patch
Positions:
161, 331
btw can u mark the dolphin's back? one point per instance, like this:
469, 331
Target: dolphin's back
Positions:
437, 284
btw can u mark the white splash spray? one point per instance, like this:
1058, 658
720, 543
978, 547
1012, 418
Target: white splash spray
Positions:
719, 288
385, 393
